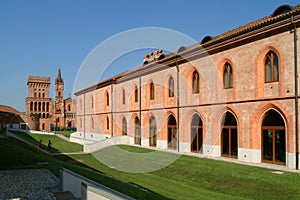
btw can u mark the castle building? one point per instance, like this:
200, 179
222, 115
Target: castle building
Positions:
234, 95
39, 103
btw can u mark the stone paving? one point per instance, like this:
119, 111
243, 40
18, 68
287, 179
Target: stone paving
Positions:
33, 184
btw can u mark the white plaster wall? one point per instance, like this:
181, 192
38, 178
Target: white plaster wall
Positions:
291, 160
184, 147
211, 150
249, 155
161, 144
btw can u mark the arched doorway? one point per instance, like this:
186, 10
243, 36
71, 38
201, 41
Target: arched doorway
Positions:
229, 136
172, 132
124, 126
137, 131
152, 131
273, 138
196, 134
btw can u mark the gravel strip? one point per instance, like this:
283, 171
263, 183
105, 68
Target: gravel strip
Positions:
26, 184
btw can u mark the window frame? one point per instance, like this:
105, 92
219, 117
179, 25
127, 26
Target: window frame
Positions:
171, 86
152, 91
196, 82
228, 71
272, 55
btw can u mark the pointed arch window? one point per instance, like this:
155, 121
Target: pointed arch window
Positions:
92, 123
151, 91
152, 130
124, 126
171, 87
228, 76
107, 99
136, 94
196, 82
123, 96
107, 123
271, 67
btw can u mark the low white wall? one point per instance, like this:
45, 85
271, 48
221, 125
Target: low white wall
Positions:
124, 139
85, 188
31, 131
87, 138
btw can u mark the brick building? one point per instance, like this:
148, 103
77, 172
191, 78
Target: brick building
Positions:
60, 113
233, 95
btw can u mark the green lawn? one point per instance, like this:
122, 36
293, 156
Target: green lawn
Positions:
194, 178
58, 144
65, 133
186, 178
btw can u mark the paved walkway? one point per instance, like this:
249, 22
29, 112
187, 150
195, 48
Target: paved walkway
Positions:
28, 184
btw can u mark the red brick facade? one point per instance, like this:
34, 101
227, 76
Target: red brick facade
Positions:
232, 95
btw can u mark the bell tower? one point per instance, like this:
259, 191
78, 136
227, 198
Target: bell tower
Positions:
59, 95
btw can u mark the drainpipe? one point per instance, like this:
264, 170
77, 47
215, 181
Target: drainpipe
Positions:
296, 92
177, 68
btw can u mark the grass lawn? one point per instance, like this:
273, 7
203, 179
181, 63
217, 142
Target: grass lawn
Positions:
193, 178
65, 133
58, 144
186, 178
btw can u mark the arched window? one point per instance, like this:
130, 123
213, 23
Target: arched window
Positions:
228, 76
124, 126
229, 136
136, 94
43, 107
172, 132
271, 67
69, 107
59, 94
92, 102
151, 91
107, 99
152, 131
43, 95
31, 106
196, 134
92, 123
40, 105
107, 123
47, 107
123, 96
196, 82
35, 106
137, 131
273, 138
171, 87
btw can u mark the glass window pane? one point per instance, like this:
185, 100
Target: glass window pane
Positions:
268, 70
226, 84
225, 141
231, 78
276, 72
268, 145
234, 142
280, 145
194, 139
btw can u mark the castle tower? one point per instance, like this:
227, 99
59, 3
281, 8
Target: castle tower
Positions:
59, 103
38, 102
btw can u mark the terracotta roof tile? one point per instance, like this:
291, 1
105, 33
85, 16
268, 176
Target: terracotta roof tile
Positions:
9, 109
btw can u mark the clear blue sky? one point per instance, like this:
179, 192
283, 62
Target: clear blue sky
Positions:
38, 37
